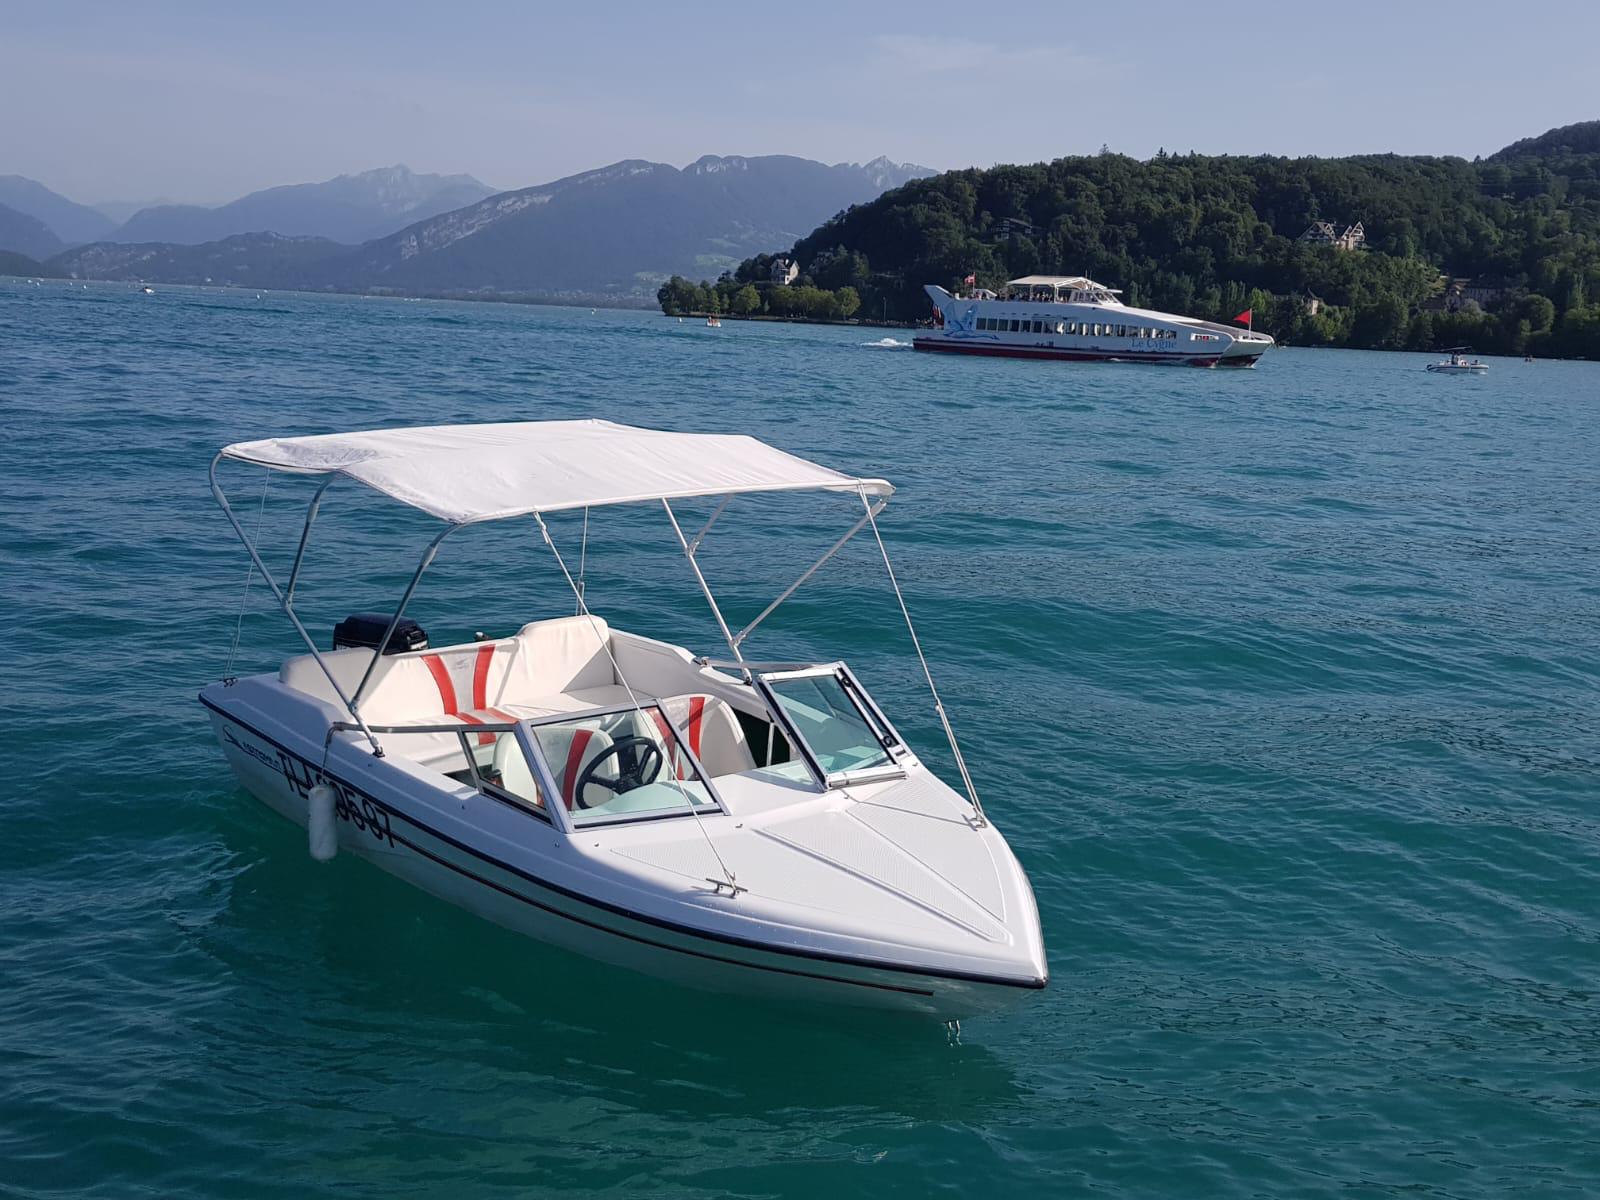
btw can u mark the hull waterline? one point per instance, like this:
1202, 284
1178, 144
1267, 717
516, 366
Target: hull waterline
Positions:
936, 345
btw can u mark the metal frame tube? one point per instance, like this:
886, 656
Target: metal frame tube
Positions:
255, 557
305, 536
810, 571
394, 622
694, 544
704, 586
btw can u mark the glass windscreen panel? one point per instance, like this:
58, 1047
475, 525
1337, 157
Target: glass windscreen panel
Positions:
627, 765
845, 735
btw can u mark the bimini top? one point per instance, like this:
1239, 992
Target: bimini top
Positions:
468, 473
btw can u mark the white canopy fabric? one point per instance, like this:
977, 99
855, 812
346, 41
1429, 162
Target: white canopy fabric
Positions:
468, 473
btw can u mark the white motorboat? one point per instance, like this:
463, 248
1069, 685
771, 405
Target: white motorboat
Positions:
1459, 364
743, 826
1074, 319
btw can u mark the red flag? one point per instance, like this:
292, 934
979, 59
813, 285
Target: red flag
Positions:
1246, 317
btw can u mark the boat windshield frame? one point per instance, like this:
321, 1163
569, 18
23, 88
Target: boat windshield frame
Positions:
894, 747
546, 776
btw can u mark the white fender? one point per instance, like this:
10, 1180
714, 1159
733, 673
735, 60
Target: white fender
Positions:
322, 824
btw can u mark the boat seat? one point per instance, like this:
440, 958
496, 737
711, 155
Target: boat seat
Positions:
550, 666
712, 730
715, 735
568, 751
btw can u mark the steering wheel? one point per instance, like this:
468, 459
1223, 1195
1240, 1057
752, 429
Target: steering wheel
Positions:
646, 767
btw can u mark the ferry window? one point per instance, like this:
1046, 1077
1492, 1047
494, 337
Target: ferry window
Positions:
1016, 326
1038, 326
1072, 327
983, 323
1061, 326
1097, 329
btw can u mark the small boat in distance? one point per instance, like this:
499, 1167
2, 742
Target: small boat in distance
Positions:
713, 322
148, 291
740, 826
1458, 363
1075, 319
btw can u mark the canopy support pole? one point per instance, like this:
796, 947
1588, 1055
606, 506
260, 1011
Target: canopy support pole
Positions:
938, 704
583, 560
227, 511
305, 536
705, 587
694, 543
394, 621
739, 637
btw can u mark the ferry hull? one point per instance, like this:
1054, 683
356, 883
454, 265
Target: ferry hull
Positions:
939, 345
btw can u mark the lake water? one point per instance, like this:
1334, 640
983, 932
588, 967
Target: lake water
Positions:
1281, 683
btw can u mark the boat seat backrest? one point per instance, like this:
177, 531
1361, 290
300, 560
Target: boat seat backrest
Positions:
568, 751
713, 731
454, 681
470, 681
567, 654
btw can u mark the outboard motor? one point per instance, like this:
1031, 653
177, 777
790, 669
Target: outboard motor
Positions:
366, 630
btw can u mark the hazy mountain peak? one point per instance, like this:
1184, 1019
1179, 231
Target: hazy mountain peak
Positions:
24, 233
67, 220
349, 208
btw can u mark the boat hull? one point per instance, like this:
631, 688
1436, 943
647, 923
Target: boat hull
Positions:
389, 833
940, 345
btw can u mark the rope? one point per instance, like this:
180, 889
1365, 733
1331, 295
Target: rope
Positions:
938, 704
249, 575
638, 706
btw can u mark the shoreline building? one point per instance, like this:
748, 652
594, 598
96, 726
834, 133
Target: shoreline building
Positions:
1324, 233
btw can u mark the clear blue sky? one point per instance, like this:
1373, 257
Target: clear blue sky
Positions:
205, 101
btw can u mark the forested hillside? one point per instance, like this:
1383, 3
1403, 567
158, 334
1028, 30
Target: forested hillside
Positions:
1502, 254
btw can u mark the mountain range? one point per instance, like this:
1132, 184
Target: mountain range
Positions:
350, 208
67, 222
608, 234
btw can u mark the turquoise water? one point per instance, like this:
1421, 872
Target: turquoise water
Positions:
1281, 683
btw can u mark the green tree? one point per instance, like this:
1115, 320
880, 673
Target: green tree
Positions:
746, 301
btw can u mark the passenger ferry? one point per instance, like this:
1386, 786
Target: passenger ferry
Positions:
1074, 318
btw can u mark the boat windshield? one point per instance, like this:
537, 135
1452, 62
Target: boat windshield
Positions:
841, 729
620, 766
